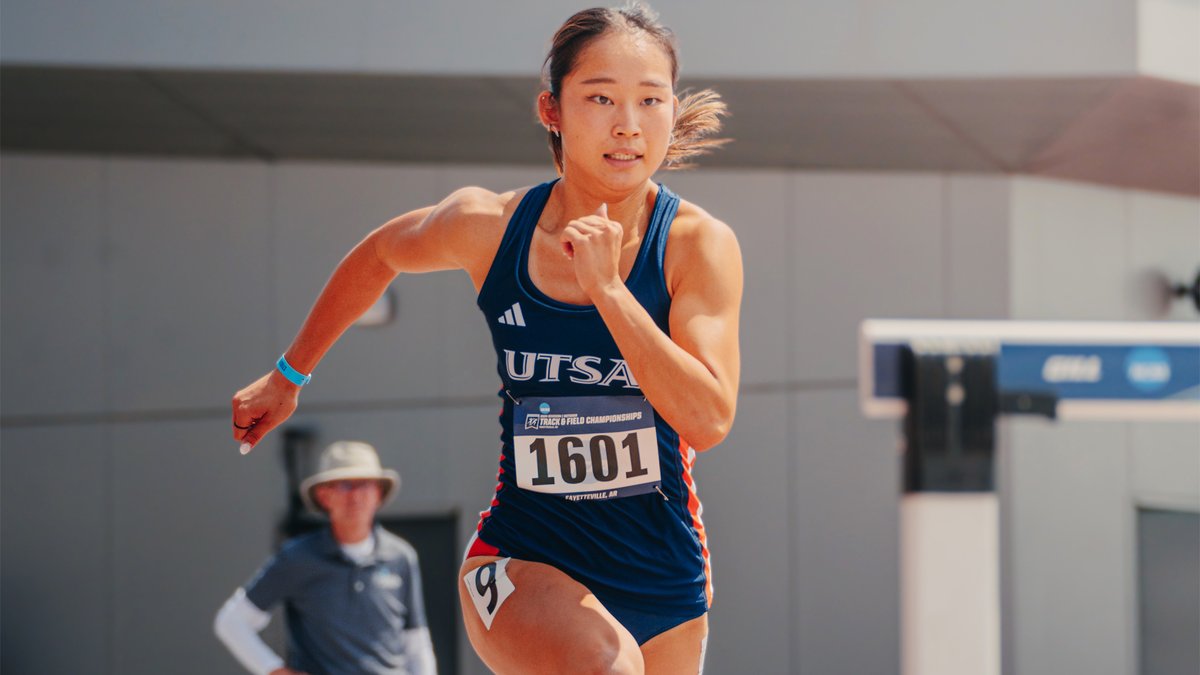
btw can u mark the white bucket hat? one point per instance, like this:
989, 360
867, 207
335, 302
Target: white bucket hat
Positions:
349, 460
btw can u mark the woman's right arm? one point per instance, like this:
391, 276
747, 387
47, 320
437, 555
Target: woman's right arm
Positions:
425, 240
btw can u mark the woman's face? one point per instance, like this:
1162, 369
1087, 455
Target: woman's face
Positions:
616, 110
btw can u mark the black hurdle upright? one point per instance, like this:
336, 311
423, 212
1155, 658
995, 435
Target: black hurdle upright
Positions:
950, 543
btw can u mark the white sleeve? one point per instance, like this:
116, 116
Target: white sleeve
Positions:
419, 650
237, 625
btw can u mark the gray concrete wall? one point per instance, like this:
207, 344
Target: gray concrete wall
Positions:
820, 38
138, 295
1168, 40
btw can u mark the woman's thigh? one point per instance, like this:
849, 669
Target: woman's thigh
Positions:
548, 623
679, 651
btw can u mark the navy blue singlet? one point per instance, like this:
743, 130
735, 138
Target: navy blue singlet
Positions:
577, 486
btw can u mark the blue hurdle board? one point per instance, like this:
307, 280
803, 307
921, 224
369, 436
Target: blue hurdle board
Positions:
1096, 370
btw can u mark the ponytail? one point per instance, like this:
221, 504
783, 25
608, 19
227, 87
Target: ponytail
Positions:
698, 119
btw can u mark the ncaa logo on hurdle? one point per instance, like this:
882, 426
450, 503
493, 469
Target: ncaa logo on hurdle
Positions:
1148, 368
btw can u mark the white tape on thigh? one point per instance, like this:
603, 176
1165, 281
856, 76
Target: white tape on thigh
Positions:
703, 649
489, 586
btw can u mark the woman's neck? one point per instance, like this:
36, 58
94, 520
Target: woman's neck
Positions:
570, 201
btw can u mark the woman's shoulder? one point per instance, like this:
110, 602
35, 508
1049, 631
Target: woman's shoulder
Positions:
472, 221
698, 243
695, 226
478, 205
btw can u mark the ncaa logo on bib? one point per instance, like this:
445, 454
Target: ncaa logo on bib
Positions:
544, 408
1148, 368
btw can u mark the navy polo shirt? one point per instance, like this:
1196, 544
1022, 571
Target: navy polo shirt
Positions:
343, 616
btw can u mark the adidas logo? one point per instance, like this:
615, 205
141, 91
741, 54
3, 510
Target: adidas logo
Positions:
512, 316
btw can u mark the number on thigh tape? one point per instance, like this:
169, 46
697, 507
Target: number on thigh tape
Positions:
489, 586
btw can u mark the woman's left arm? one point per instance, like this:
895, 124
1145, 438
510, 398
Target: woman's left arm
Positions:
690, 377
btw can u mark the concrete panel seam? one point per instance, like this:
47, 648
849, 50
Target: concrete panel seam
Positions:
950, 126
237, 138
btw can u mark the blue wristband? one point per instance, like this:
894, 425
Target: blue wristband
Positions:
294, 376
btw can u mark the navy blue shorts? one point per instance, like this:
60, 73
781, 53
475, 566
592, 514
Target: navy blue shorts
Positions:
644, 625
641, 624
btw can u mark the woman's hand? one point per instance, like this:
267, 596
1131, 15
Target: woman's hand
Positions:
262, 406
594, 244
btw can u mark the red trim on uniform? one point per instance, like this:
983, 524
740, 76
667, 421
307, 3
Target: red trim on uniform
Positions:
484, 515
694, 507
480, 547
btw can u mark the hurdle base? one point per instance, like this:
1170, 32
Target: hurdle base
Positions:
950, 581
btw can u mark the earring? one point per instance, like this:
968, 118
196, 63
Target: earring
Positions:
554, 130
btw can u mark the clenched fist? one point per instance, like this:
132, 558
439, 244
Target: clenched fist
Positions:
593, 243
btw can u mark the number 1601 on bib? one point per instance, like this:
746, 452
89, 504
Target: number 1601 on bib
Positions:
586, 448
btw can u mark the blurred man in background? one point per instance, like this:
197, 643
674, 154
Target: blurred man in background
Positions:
351, 591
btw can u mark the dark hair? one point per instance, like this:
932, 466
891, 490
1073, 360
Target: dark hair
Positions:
699, 115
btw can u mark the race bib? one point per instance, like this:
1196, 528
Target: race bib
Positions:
489, 586
586, 447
